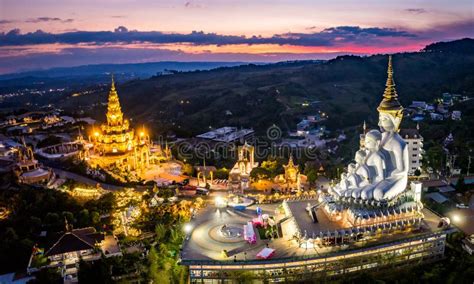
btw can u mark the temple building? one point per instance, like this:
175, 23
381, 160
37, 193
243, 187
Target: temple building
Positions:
371, 219
28, 170
116, 143
292, 178
239, 176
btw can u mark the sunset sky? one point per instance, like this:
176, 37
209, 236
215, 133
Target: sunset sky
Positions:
48, 33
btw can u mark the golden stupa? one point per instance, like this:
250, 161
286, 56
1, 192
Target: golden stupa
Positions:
292, 171
116, 142
390, 103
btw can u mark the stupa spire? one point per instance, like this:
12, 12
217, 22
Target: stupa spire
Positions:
390, 103
290, 161
114, 111
112, 87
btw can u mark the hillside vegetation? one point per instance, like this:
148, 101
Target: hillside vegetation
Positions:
349, 88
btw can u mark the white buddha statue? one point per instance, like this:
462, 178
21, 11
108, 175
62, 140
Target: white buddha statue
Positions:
342, 186
352, 177
396, 151
394, 147
369, 168
382, 173
362, 169
375, 162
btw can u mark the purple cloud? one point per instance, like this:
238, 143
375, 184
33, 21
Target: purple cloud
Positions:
416, 10
4, 22
48, 19
327, 37
191, 4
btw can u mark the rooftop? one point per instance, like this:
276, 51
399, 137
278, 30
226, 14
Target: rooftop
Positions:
410, 133
75, 240
226, 134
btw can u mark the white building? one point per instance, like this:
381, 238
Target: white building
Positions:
419, 104
436, 116
415, 148
456, 115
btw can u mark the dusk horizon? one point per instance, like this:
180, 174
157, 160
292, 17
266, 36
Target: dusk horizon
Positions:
57, 35
236, 141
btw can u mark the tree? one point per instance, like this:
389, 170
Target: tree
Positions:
68, 216
95, 217
52, 219
434, 157
312, 176
160, 232
155, 274
47, 276
259, 173
10, 235
84, 218
461, 184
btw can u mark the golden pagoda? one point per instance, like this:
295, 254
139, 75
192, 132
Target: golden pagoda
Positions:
292, 171
116, 142
116, 136
390, 103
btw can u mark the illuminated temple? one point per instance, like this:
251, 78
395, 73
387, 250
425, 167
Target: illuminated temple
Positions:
116, 143
372, 219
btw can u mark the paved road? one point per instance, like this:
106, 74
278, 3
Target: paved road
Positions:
84, 180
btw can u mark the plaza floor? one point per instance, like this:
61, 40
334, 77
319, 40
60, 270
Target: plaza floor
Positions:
203, 244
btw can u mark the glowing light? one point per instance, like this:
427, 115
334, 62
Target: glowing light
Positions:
456, 218
96, 134
142, 134
188, 228
220, 202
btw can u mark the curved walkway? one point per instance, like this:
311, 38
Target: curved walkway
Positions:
85, 180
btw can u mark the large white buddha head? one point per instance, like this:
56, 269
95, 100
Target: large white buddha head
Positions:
372, 140
389, 122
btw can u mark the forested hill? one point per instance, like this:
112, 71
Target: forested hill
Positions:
465, 45
349, 88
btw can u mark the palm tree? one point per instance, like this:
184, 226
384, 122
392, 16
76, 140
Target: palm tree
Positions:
271, 233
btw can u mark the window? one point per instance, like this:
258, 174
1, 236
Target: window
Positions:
414, 155
415, 142
415, 149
